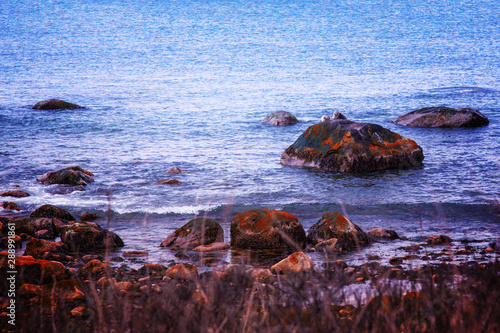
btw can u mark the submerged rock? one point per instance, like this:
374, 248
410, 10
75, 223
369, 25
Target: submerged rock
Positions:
73, 176
280, 118
169, 182
442, 117
347, 146
197, 232
335, 225
51, 211
267, 229
438, 240
15, 193
9, 205
53, 104
176, 170
88, 236
295, 263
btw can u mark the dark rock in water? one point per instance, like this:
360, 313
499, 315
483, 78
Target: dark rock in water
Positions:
382, 233
86, 216
267, 229
199, 231
9, 205
88, 236
51, 211
280, 118
68, 189
176, 170
438, 240
169, 182
442, 117
347, 146
53, 104
73, 176
38, 248
335, 225
15, 193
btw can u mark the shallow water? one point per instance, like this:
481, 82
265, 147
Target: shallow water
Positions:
187, 83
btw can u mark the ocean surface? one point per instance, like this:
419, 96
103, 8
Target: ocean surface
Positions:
187, 83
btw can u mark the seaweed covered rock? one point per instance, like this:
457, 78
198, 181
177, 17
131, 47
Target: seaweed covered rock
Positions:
73, 176
442, 117
348, 146
54, 104
335, 225
267, 229
88, 236
51, 211
197, 232
280, 118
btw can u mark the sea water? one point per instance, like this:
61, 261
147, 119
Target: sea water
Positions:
187, 83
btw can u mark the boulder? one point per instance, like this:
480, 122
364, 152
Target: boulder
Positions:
7, 242
73, 176
31, 225
442, 117
347, 146
41, 248
267, 229
53, 104
9, 205
295, 263
199, 231
88, 237
31, 270
280, 118
51, 211
87, 216
335, 225
438, 240
15, 193
382, 233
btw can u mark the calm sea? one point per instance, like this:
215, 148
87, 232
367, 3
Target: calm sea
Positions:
186, 83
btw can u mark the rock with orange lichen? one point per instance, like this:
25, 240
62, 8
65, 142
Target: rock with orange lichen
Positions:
295, 263
197, 232
31, 270
267, 229
347, 146
335, 225
442, 117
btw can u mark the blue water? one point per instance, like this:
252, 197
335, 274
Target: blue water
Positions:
186, 83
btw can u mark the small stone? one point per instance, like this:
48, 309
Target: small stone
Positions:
15, 193
169, 182
135, 254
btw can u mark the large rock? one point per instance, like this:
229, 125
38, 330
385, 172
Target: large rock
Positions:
442, 117
73, 176
33, 225
280, 118
267, 229
88, 237
347, 146
52, 104
51, 211
335, 225
31, 270
197, 232
40, 248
